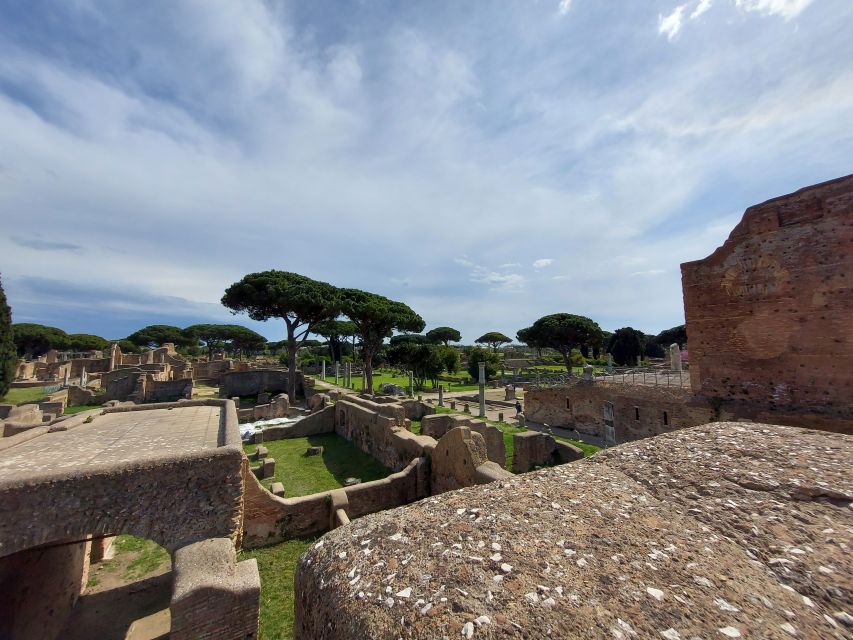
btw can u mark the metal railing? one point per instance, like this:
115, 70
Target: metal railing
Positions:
646, 376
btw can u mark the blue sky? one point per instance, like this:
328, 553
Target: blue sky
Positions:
485, 162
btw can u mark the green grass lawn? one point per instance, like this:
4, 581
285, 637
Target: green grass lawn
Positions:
24, 395
303, 475
80, 408
277, 566
386, 376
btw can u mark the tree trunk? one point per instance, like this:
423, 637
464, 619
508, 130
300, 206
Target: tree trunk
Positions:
291, 365
567, 358
368, 369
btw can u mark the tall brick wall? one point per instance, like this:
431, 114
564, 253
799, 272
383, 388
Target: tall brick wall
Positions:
770, 313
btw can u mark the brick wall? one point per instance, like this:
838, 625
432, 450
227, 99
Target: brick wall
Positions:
769, 313
638, 411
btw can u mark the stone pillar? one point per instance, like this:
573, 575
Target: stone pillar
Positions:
67, 375
466, 408
453, 404
337, 372
411, 385
674, 357
83, 378
115, 356
440, 395
482, 389
323, 370
609, 360
521, 420
587, 372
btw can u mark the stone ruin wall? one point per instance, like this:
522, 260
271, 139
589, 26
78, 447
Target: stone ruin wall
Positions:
580, 406
770, 313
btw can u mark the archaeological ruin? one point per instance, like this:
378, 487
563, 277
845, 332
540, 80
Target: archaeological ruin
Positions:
724, 511
768, 319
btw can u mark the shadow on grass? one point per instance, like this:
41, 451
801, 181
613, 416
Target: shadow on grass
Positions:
344, 460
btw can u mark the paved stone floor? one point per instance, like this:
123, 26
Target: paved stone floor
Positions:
113, 438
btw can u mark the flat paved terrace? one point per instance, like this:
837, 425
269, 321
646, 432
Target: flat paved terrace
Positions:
168, 472
116, 438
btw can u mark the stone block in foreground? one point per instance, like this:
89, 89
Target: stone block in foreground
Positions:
719, 531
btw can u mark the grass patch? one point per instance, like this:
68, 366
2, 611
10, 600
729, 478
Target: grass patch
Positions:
149, 556
385, 376
303, 475
416, 427
510, 429
80, 408
24, 395
277, 566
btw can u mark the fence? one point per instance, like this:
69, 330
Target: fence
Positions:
52, 388
647, 376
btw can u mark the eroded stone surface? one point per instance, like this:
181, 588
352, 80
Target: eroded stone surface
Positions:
714, 531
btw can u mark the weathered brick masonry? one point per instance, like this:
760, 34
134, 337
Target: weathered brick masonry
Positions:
770, 313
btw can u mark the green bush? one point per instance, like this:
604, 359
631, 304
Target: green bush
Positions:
492, 360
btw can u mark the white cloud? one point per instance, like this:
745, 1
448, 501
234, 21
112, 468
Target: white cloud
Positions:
564, 7
510, 265
670, 25
498, 281
701, 8
787, 9
541, 263
649, 272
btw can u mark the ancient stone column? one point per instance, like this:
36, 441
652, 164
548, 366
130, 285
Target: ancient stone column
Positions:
337, 372
411, 385
440, 395
587, 372
482, 389
323, 370
674, 357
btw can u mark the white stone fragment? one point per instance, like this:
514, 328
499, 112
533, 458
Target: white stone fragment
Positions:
468, 630
843, 616
396, 536
671, 634
582, 562
657, 594
426, 608
532, 596
702, 582
389, 602
725, 606
549, 602
319, 544
496, 557
787, 627
506, 568
483, 620
405, 593
496, 546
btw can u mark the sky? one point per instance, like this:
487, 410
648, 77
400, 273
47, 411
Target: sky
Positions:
486, 162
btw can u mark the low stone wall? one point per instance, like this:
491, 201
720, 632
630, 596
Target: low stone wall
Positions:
380, 431
214, 596
255, 381
269, 519
321, 422
438, 424
460, 460
167, 390
21, 414
534, 449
